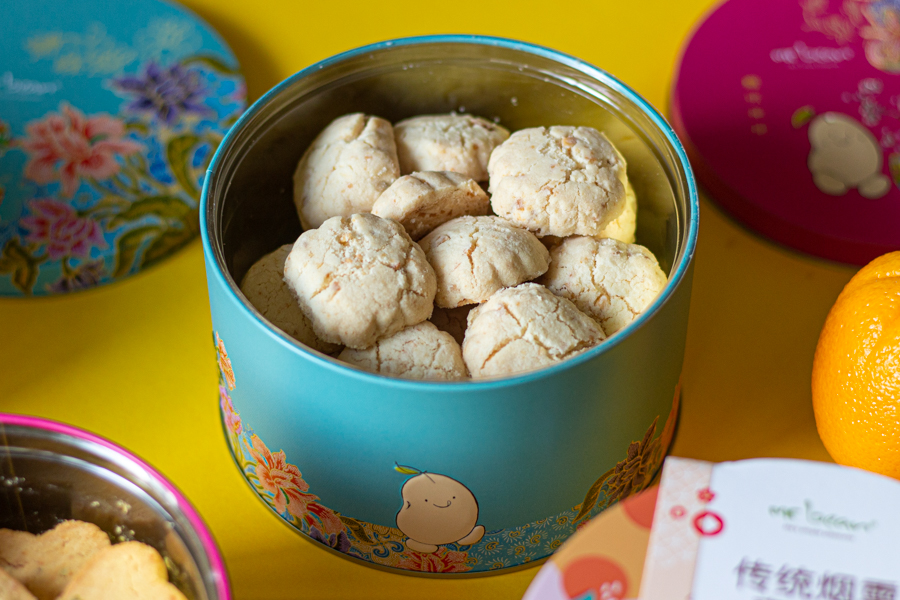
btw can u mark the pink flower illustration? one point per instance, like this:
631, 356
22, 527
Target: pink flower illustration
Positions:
882, 36
285, 482
442, 561
58, 225
232, 418
706, 495
68, 146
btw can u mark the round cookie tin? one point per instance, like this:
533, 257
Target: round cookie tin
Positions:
109, 115
516, 463
51, 472
790, 113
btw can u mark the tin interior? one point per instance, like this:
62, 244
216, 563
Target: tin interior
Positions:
48, 477
250, 193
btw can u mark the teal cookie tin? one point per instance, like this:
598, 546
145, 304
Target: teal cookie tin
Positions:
504, 469
109, 116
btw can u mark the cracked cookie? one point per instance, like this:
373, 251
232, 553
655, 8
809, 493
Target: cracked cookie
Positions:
609, 280
524, 328
423, 200
558, 181
473, 257
418, 352
265, 288
349, 164
458, 143
360, 278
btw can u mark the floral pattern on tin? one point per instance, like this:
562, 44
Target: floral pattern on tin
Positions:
106, 195
877, 22
281, 486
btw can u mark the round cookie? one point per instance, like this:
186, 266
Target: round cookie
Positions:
623, 228
349, 164
473, 257
458, 143
129, 570
264, 287
609, 280
559, 181
360, 278
422, 201
524, 328
418, 352
452, 320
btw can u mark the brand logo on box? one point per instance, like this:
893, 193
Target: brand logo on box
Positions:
821, 56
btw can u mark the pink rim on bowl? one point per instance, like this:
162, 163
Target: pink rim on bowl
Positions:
216, 564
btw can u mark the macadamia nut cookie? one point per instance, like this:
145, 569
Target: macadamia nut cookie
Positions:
267, 291
418, 352
558, 181
360, 278
458, 143
473, 257
625, 225
422, 201
525, 328
129, 570
609, 280
45, 563
349, 164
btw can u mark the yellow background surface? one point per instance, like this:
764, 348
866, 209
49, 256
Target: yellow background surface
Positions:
134, 362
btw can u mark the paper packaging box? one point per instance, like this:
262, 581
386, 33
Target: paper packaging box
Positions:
762, 529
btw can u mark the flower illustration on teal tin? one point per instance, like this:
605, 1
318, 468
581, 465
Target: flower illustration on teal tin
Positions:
57, 226
166, 93
68, 146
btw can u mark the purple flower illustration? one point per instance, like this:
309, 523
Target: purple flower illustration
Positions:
166, 92
339, 542
86, 276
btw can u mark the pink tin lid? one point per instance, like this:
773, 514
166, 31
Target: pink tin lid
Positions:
790, 113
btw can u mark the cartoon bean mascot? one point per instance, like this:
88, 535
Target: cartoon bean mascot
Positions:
845, 155
436, 510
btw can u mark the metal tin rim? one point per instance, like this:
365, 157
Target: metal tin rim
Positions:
217, 564
676, 278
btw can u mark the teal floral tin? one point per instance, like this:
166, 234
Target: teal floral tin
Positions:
109, 116
444, 478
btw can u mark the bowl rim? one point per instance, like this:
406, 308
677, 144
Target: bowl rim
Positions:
680, 271
217, 564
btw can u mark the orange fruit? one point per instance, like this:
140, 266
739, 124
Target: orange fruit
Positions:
856, 371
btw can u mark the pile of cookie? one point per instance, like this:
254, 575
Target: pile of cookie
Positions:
76, 561
408, 268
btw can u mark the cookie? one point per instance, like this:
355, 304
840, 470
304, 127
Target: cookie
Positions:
45, 563
558, 181
524, 328
623, 228
423, 200
609, 280
452, 320
345, 169
473, 257
360, 278
10, 589
458, 143
264, 287
418, 352
127, 571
